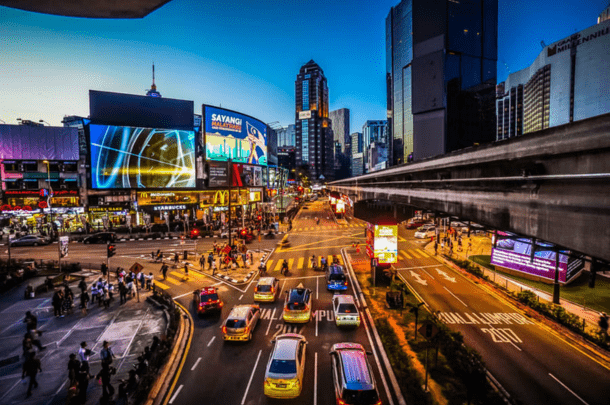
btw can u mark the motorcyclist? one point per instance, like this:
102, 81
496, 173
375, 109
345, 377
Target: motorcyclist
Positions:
262, 267
284, 267
313, 262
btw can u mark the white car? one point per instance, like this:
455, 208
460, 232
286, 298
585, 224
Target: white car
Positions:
346, 311
425, 232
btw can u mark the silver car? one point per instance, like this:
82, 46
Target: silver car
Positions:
241, 322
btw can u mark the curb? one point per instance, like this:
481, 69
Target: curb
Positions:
171, 370
382, 352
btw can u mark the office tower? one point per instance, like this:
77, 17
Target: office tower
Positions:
286, 136
356, 155
314, 135
341, 126
604, 15
375, 144
440, 76
567, 82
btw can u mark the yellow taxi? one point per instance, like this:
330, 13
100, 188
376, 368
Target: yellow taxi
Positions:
266, 289
286, 367
297, 308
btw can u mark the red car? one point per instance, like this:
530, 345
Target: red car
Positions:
207, 300
415, 223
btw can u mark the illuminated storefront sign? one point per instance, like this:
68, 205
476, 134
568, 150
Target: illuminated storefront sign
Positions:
160, 198
169, 207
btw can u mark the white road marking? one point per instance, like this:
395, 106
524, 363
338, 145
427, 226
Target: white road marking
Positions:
240, 297
171, 401
183, 295
445, 275
317, 282
416, 267
270, 321
454, 296
196, 363
315, 379
418, 278
428, 274
566, 387
211, 340
243, 401
316, 316
516, 347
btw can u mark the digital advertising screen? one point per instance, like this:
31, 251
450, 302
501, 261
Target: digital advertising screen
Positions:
231, 135
247, 175
134, 157
515, 254
386, 243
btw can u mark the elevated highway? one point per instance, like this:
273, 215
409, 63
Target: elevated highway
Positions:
552, 185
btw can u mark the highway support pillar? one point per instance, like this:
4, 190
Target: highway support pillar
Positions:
556, 283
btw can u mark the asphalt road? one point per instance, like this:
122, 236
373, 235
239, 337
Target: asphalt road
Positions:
533, 363
216, 372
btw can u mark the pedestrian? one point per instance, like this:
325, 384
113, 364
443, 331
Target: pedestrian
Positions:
122, 293
31, 367
83, 356
68, 300
459, 243
31, 322
176, 259
603, 325
244, 258
186, 271
106, 354
164, 270
202, 261
105, 374
210, 260
73, 369
83, 383
106, 298
142, 279
27, 346
100, 294
215, 247
104, 269
57, 302
82, 285
149, 281
93, 293
435, 247
213, 264
84, 301
34, 337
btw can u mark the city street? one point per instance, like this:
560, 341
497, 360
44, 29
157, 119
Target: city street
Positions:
532, 362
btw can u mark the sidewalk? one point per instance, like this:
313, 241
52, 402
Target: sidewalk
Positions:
128, 328
481, 245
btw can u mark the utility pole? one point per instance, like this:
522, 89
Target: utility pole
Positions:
230, 183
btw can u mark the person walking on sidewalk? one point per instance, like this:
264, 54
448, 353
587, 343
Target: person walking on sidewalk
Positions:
186, 271
73, 369
213, 265
122, 294
176, 259
31, 367
202, 261
82, 285
107, 389
106, 354
603, 325
31, 322
84, 301
83, 356
149, 281
57, 302
210, 260
83, 384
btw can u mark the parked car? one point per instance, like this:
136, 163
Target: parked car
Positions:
241, 322
286, 367
29, 240
101, 237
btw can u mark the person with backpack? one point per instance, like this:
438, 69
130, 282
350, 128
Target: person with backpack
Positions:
106, 354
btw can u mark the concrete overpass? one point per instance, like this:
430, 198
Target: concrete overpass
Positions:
552, 185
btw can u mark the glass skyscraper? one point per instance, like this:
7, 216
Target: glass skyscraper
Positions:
440, 75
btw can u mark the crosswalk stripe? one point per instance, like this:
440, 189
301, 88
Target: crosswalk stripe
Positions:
300, 263
278, 266
415, 253
421, 252
161, 285
330, 259
269, 264
405, 254
290, 262
173, 281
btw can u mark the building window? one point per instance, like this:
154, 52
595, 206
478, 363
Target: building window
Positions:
305, 138
305, 105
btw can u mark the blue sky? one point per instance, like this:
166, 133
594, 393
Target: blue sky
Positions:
243, 55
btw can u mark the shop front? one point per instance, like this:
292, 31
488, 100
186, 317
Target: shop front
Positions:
109, 217
214, 204
165, 207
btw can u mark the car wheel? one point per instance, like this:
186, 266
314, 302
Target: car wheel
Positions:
35, 243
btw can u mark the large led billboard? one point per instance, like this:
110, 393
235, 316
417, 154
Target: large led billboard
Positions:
135, 157
231, 135
515, 254
386, 243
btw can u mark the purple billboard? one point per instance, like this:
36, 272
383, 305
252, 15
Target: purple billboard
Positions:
514, 254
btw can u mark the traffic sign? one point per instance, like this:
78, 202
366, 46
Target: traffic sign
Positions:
428, 330
136, 268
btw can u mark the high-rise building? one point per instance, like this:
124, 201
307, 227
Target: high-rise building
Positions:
314, 135
341, 126
567, 82
440, 75
375, 136
356, 155
604, 15
286, 136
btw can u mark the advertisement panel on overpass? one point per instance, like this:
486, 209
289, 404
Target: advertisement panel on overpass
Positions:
515, 254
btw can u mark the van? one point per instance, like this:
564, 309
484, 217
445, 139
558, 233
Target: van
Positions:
353, 378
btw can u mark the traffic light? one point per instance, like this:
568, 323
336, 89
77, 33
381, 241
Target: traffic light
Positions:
111, 250
244, 232
260, 218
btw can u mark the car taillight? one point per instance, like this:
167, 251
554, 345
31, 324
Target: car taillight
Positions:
272, 290
345, 283
247, 330
220, 304
378, 402
201, 305
255, 289
340, 402
224, 329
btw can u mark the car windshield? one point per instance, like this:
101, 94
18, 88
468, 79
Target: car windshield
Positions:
235, 323
354, 397
263, 288
347, 309
336, 277
209, 297
283, 367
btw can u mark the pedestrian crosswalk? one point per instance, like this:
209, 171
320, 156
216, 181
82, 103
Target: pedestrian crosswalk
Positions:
177, 278
318, 227
410, 254
299, 263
